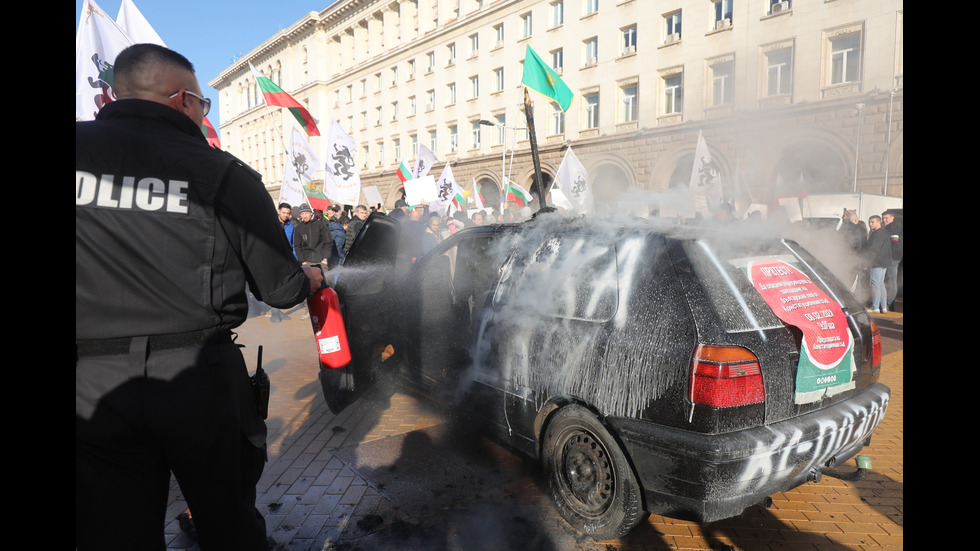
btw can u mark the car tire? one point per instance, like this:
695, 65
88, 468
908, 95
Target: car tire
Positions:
592, 484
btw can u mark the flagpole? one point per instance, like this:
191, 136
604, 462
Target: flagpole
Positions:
529, 116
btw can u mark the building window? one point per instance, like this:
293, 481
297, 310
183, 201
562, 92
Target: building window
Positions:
394, 76
306, 71
590, 106
500, 133
779, 6
722, 83
377, 116
414, 140
474, 87
591, 52
453, 138
498, 34
430, 100
412, 105
591, 6
433, 143
521, 134
367, 154
526, 25
558, 60
722, 14
377, 82
451, 54
779, 72
628, 104
380, 146
557, 120
845, 58
629, 40
430, 62
498, 79
474, 44
396, 147
411, 69
557, 13
672, 27
363, 87
673, 94
451, 93
394, 110
475, 134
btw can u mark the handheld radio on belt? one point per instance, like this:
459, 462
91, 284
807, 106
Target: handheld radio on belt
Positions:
261, 386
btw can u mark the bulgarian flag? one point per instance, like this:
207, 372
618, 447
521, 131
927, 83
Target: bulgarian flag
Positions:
403, 172
315, 197
459, 199
517, 194
274, 96
211, 134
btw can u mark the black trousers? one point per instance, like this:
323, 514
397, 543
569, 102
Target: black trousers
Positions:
141, 416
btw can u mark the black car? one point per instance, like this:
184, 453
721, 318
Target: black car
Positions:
651, 368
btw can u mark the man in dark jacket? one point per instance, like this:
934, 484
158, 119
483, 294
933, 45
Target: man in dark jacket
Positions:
338, 235
361, 214
311, 238
878, 256
854, 238
167, 232
896, 235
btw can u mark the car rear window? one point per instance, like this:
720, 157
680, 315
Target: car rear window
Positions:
722, 268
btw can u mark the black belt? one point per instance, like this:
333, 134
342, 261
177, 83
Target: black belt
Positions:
112, 347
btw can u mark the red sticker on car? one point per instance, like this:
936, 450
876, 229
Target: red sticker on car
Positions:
826, 356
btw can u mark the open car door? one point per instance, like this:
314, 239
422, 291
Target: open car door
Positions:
367, 285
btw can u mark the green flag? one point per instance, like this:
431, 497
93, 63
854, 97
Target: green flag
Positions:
544, 80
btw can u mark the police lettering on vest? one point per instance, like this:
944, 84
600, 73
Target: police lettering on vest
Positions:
128, 193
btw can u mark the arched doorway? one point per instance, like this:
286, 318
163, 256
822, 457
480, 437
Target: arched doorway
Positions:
610, 183
532, 185
811, 167
680, 178
490, 192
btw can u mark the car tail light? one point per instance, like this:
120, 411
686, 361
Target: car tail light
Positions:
726, 376
875, 347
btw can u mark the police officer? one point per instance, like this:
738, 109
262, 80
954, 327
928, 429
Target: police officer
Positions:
168, 231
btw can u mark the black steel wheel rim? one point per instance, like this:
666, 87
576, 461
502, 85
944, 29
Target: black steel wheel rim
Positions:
585, 473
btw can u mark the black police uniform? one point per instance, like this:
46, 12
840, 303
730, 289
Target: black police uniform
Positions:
168, 231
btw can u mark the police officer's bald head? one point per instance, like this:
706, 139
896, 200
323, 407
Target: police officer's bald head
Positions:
155, 73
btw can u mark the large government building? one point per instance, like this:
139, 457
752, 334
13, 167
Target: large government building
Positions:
789, 95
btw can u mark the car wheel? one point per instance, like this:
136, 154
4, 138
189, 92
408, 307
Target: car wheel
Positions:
591, 482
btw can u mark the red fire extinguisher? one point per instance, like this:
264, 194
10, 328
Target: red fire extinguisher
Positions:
328, 328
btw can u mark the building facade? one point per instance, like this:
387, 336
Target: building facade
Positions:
790, 95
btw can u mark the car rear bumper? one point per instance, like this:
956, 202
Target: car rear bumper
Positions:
705, 477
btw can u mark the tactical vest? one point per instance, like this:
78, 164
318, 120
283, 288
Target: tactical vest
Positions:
146, 261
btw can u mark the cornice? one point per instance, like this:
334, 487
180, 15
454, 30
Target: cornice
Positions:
276, 42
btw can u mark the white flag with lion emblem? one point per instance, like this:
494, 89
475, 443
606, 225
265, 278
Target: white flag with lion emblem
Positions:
341, 182
573, 181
